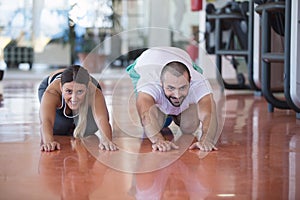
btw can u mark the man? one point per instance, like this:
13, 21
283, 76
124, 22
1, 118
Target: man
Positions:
168, 84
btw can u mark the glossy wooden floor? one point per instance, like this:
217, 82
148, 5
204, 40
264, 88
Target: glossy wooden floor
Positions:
258, 157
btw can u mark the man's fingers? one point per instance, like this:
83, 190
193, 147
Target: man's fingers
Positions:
161, 147
203, 147
52, 146
154, 147
113, 147
209, 147
174, 146
168, 147
101, 146
43, 148
158, 147
164, 146
193, 146
108, 146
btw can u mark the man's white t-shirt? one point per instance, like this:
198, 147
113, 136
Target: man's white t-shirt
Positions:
148, 67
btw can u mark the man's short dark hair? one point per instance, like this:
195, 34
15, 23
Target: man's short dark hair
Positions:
175, 68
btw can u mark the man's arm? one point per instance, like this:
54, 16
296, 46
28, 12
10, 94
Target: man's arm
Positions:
152, 120
151, 117
208, 118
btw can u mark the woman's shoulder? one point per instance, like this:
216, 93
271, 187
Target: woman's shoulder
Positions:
94, 93
55, 73
54, 88
52, 96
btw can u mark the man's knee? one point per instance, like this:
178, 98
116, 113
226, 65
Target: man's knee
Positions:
189, 120
189, 127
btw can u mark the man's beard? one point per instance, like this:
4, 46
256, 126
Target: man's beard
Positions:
177, 104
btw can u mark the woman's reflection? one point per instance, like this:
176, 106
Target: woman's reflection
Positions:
73, 174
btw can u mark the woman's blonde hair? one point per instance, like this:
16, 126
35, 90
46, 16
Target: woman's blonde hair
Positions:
82, 118
79, 75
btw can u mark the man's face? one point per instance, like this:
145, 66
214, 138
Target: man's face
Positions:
176, 88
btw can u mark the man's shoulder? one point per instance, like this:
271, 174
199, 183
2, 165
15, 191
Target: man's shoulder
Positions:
153, 89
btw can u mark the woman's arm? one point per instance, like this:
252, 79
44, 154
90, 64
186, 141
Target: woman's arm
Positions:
101, 117
50, 101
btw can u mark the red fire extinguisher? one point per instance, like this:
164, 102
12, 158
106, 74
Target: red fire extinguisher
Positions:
196, 5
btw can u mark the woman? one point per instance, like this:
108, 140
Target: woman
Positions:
72, 103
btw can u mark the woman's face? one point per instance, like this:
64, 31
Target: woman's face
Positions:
74, 94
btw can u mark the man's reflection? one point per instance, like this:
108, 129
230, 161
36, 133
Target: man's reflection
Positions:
73, 174
177, 181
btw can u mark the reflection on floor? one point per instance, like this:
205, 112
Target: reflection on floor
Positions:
258, 157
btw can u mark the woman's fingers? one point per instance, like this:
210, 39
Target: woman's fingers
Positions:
50, 146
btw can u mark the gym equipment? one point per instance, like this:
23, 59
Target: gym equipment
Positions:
14, 55
235, 20
293, 67
267, 10
277, 45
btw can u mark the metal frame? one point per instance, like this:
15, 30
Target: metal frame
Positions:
248, 53
269, 57
287, 64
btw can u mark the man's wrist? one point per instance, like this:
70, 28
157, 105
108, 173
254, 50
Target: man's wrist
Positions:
156, 138
205, 138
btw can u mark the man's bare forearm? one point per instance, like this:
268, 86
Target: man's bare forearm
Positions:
209, 128
151, 128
